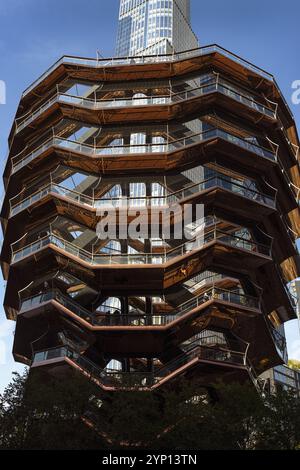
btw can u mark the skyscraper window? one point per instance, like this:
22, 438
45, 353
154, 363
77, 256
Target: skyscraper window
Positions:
149, 27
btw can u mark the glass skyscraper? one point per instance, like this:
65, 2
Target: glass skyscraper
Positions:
149, 27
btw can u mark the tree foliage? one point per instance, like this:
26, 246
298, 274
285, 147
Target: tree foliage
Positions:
294, 364
40, 412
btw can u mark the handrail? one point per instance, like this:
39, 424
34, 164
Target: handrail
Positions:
119, 202
254, 377
280, 342
111, 62
161, 147
216, 85
142, 258
141, 380
193, 350
138, 318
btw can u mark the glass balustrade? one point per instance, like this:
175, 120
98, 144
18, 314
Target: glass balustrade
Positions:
50, 354
216, 85
18, 163
279, 341
20, 203
100, 63
224, 87
115, 150
140, 258
206, 353
115, 378
137, 318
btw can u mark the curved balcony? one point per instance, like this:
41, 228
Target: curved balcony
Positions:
148, 149
102, 321
20, 203
151, 259
125, 61
116, 380
216, 85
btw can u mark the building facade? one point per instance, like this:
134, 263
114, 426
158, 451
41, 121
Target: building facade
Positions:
99, 141
282, 378
295, 292
150, 27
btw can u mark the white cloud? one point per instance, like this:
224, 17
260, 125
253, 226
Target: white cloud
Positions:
2, 353
6, 332
6, 328
294, 350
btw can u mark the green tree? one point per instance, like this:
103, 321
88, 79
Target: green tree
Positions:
40, 412
279, 428
228, 423
294, 364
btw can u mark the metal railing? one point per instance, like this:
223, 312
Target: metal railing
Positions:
140, 258
20, 203
163, 147
215, 85
279, 341
138, 319
111, 62
140, 380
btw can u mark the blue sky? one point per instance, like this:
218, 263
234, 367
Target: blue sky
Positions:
35, 33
